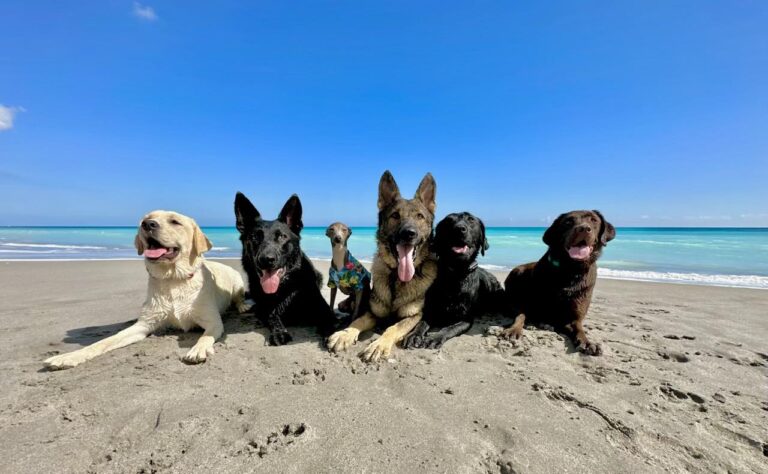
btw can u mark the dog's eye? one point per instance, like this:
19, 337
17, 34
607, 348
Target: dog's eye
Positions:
420, 216
395, 215
594, 219
569, 221
175, 222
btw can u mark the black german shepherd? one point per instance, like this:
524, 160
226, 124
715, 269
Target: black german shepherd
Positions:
282, 281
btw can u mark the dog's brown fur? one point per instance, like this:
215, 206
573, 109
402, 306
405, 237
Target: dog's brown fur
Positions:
557, 290
390, 296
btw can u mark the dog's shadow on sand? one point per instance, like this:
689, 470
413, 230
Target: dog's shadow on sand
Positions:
86, 336
234, 323
485, 322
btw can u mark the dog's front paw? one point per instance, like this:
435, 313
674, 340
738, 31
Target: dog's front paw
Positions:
377, 350
279, 338
590, 348
413, 341
512, 333
342, 340
65, 361
198, 354
433, 342
243, 307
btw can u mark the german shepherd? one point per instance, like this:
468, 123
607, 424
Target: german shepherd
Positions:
281, 279
403, 267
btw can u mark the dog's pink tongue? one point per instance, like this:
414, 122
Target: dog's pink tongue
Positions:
405, 269
580, 252
461, 249
270, 280
155, 253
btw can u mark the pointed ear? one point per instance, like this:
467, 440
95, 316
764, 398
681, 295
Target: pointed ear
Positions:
607, 230
483, 244
388, 190
550, 235
200, 243
291, 214
245, 213
426, 192
139, 244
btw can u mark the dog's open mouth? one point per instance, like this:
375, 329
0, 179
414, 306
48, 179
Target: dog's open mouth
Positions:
405, 267
460, 249
157, 251
580, 251
270, 280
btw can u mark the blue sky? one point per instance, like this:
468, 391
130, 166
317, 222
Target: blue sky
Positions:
654, 112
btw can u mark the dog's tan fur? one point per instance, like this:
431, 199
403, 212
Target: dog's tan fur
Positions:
391, 297
183, 292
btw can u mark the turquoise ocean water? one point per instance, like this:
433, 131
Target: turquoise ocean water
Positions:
719, 256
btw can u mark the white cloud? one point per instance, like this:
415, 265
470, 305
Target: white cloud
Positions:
7, 115
144, 12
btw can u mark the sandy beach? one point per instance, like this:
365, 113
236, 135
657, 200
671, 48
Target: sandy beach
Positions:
681, 387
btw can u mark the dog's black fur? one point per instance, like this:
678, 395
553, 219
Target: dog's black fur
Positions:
272, 245
462, 290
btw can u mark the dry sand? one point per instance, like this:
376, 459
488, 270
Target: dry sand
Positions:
682, 387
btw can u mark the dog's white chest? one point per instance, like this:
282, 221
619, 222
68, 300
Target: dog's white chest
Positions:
175, 301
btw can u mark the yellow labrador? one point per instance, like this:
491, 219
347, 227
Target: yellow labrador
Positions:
184, 289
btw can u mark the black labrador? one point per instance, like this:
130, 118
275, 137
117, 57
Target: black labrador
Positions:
462, 290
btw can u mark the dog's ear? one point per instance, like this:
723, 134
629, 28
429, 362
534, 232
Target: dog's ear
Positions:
200, 243
139, 244
607, 230
291, 214
245, 213
436, 239
550, 235
483, 244
388, 190
426, 192
328, 230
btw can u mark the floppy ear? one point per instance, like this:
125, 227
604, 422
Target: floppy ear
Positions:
426, 192
139, 244
291, 214
607, 230
483, 244
245, 213
388, 190
436, 238
200, 243
550, 235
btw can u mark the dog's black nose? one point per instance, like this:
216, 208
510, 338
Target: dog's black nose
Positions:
461, 228
407, 233
149, 224
337, 239
266, 261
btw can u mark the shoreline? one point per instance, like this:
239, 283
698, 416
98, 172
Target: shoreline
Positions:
751, 282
